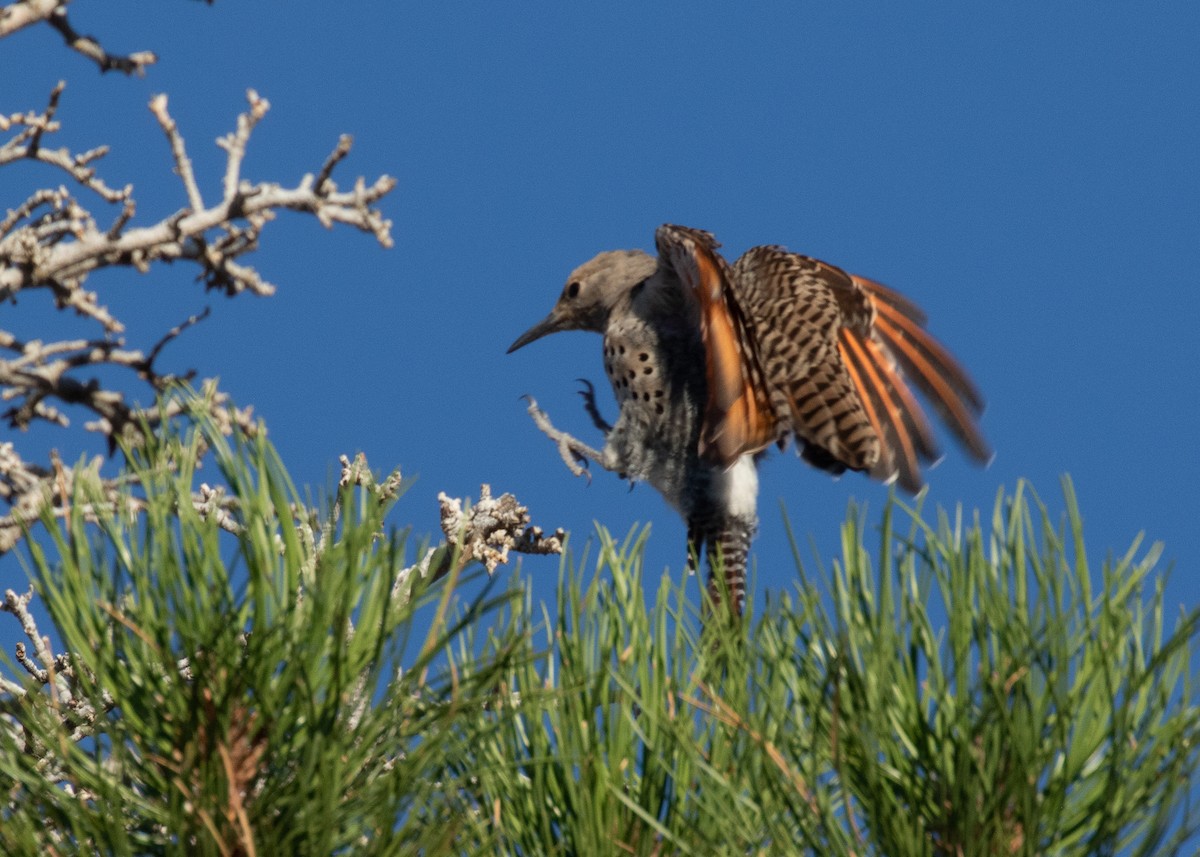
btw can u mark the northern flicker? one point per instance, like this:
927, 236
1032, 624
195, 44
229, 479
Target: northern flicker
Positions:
711, 364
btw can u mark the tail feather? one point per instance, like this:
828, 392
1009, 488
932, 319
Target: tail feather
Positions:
726, 543
727, 554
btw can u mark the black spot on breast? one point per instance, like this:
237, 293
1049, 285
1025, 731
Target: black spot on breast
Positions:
643, 357
658, 408
649, 370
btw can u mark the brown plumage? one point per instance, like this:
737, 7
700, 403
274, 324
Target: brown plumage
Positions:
776, 347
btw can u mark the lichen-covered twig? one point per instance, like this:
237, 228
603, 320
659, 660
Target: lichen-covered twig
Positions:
484, 532
31, 490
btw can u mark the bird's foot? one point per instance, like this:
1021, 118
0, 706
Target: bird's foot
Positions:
589, 404
575, 453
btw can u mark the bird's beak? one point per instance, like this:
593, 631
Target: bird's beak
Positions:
550, 324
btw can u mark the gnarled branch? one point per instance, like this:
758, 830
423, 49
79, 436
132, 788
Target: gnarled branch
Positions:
52, 242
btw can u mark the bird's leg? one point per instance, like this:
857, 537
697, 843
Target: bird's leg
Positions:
575, 453
589, 404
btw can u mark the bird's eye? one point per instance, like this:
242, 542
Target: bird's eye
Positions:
572, 290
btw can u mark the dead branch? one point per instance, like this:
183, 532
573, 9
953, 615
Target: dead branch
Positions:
32, 490
25, 13
52, 242
26, 144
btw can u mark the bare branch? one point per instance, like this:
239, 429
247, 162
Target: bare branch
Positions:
61, 248
339, 152
26, 144
31, 490
18, 606
57, 674
235, 143
24, 13
213, 503
31, 667
53, 242
575, 453
25, 210
40, 371
183, 164
172, 333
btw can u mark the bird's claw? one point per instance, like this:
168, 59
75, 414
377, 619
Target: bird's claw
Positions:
574, 453
588, 393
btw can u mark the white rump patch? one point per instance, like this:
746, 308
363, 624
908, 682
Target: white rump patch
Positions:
738, 487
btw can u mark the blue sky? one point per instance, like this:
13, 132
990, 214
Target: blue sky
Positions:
1027, 172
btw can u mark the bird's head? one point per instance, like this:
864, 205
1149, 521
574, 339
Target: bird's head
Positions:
591, 292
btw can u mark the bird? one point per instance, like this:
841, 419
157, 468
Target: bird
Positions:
711, 364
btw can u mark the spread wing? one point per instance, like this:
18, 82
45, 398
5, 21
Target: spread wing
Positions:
738, 416
837, 351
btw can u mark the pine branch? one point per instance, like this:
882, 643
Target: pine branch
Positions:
234, 665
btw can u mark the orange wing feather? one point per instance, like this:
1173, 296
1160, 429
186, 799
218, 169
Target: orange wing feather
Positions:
875, 386
939, 376
738, 416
